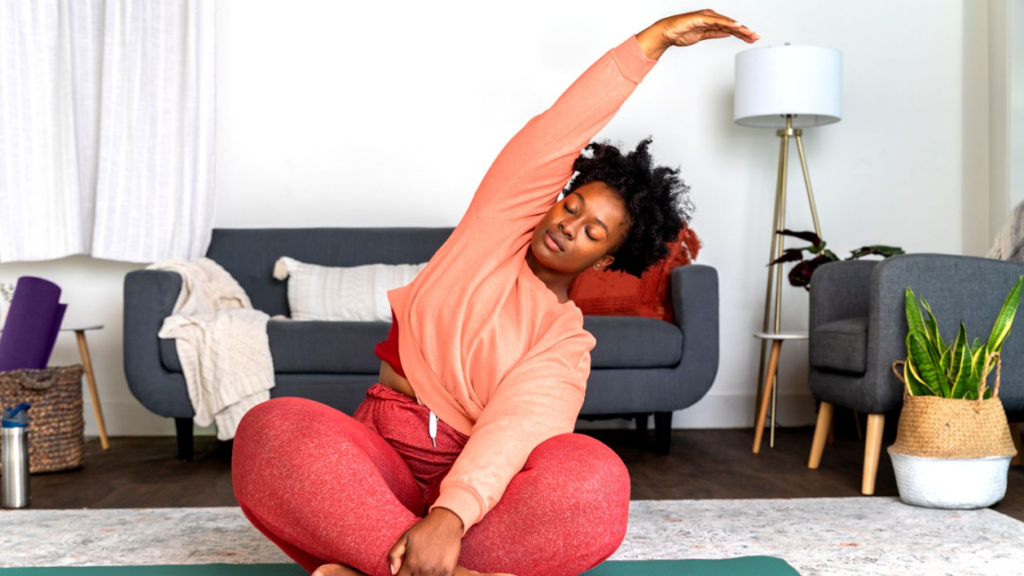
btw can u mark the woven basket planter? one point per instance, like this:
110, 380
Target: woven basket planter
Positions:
950, 452
56, 429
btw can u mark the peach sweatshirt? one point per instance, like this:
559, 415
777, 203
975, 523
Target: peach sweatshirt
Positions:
485, 344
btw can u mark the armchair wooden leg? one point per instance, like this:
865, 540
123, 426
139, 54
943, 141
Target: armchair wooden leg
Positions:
1015, 433
872, 450
821, 433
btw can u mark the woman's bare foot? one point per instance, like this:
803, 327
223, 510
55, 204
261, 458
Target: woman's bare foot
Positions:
460, 571
337, 570
342, 570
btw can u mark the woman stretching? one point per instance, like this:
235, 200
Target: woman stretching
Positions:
462, 459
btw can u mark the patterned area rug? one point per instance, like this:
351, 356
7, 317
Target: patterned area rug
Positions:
817, 536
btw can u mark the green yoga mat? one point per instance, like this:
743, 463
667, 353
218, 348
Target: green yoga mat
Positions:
744, 566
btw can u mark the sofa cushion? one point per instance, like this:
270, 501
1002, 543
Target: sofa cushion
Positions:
633, 342
840, 345
343, 347
312, 346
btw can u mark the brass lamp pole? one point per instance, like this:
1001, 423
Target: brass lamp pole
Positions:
779, 223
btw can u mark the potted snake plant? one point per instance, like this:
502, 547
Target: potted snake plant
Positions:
953, 445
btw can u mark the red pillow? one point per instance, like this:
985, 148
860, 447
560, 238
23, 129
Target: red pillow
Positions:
620, 294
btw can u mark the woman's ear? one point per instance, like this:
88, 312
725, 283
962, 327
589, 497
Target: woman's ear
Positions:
603, 263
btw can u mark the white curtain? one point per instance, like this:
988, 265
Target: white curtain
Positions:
106, 129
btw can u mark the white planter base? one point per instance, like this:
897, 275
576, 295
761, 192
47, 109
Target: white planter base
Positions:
945, 483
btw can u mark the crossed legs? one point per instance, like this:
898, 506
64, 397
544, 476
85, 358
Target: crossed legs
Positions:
325, 488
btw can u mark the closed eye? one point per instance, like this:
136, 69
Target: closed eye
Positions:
588, 231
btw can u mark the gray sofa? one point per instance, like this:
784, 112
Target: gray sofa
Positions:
858, 327
639, 366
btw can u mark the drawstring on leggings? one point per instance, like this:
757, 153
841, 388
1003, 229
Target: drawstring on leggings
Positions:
433, 428
433, 423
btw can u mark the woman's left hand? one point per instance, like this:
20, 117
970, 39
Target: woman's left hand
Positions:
693, 27
430, 546
690, 28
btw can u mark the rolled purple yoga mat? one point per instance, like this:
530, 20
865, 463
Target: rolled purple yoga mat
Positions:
30, 330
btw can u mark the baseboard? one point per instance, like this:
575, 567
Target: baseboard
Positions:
126, 417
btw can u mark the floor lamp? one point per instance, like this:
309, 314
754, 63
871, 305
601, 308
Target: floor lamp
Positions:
787, 88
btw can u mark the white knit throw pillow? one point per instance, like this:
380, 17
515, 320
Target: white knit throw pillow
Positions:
353, 293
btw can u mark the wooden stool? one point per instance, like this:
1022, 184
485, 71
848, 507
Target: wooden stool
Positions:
83, 351
770, 392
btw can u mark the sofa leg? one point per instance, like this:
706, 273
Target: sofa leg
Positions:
184, 429
821, 433
641, 428
872, 449
662, 432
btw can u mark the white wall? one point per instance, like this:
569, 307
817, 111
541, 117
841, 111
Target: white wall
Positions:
1015, 23
389, 114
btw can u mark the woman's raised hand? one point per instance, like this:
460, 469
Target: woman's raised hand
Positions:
692, 27
689, 28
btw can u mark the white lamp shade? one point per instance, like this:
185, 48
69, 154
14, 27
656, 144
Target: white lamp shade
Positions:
805, 81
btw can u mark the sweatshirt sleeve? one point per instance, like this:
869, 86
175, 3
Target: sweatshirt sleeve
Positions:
538, 399
524, 181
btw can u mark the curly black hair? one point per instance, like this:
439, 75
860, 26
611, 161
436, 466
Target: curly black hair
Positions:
656, 198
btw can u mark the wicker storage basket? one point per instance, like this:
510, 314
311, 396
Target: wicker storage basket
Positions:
56, 427
952, 453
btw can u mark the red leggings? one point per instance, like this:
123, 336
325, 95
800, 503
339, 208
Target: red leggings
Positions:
327, 488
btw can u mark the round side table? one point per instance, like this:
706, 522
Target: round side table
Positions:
770, 393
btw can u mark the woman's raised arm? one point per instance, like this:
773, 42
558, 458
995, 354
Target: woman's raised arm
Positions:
526, 178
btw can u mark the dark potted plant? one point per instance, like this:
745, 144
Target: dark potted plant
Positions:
800, 275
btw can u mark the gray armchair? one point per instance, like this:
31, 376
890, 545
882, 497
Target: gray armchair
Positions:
639, 366
858, 327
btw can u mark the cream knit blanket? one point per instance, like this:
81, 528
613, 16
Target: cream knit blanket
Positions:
1009, 244
221, 341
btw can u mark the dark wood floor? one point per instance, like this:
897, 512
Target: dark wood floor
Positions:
145, 471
